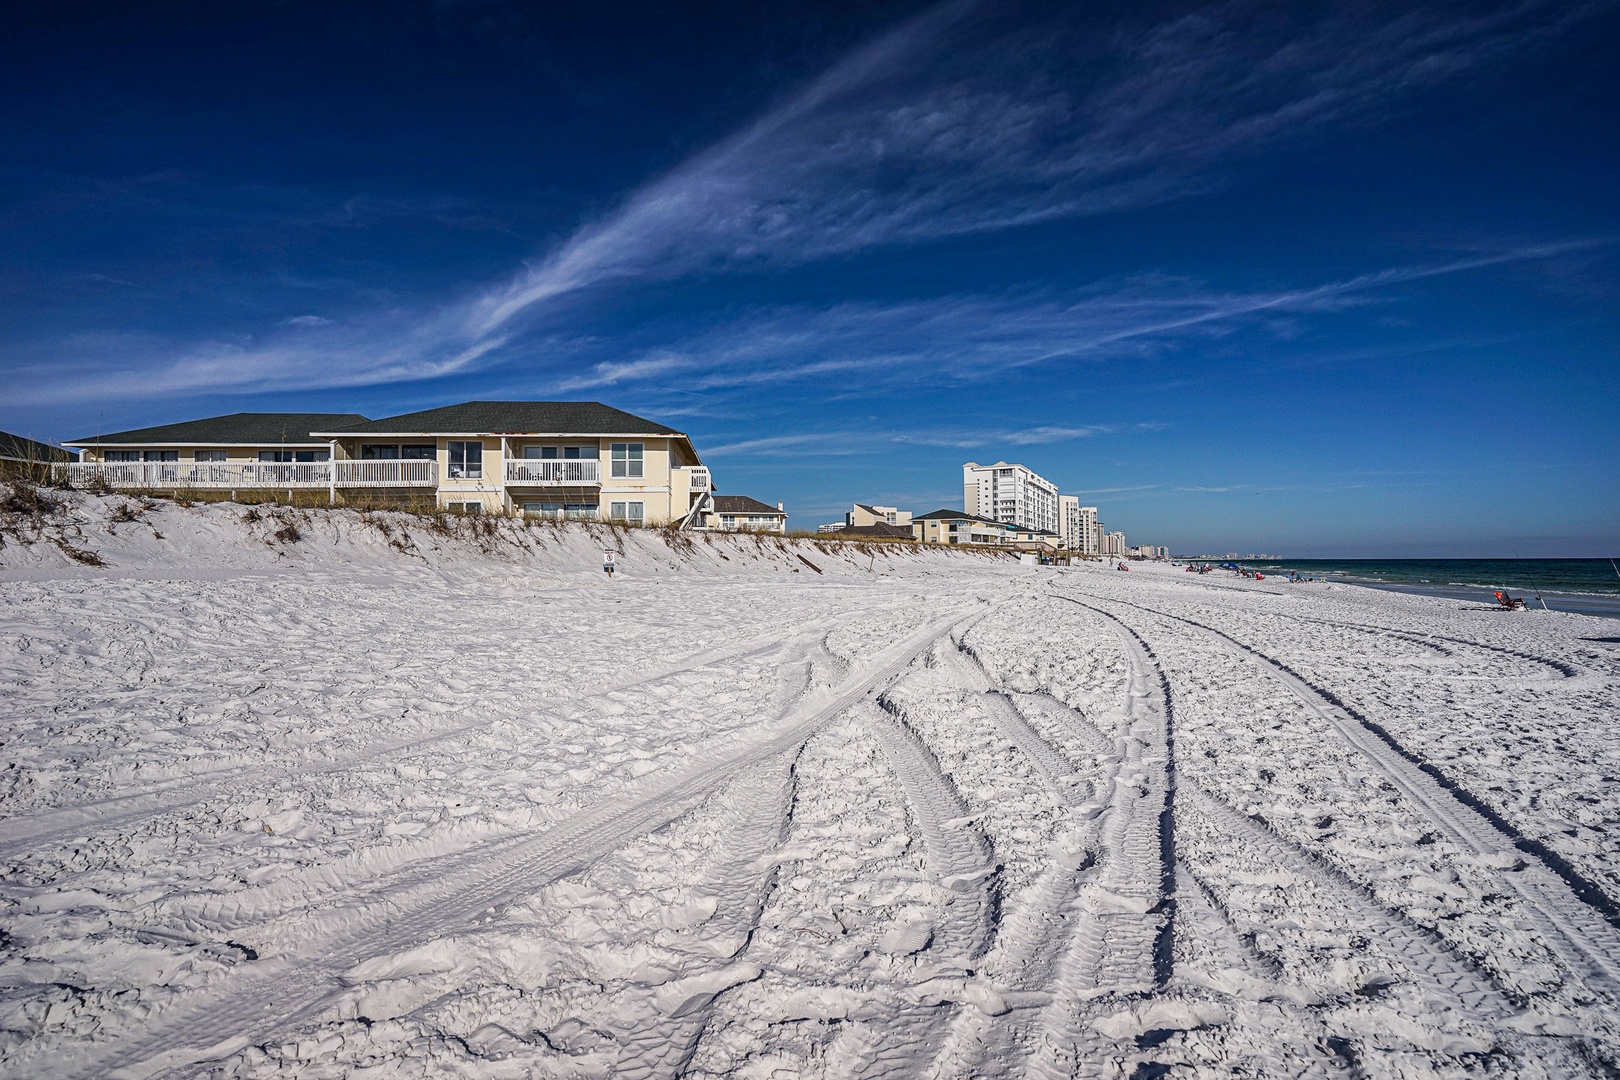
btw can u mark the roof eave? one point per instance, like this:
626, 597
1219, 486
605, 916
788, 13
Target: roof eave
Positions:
500, 434
92, 444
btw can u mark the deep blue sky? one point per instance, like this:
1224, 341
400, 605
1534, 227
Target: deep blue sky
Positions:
1337, 282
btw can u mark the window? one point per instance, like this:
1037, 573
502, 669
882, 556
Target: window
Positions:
312, 455
466, 460
208, 455
465, 507
627, 460
394, 452
122, 455
566, 453
160, 455
632, 513
275, 455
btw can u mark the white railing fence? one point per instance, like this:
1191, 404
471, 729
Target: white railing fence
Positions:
413, 473
699, 478
249, 474
549, 471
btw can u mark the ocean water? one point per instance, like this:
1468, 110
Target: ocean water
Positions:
1589, 586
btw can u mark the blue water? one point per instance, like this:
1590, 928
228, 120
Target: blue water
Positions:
1588, 586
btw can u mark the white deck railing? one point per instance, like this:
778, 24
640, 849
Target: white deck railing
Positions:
699, 478
251, 474
551, 472
413, 473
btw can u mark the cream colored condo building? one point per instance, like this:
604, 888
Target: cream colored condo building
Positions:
578, 459
1078, 525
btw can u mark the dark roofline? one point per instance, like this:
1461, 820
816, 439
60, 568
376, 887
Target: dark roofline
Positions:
22, 448
745, 504
453, 420
960, 515
230, 429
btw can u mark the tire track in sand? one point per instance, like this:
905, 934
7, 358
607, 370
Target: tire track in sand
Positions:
658, 1034
1119, 942
277, 993
1571, 914
56, 824
961, 863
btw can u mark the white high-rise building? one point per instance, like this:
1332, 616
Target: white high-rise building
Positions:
1010, 494
1114, 544
1077, 525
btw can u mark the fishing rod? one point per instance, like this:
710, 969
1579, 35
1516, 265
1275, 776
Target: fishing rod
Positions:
1534, 585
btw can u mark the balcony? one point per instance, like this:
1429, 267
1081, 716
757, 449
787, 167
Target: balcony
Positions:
698, 476
217, 475
551, 472
417, 472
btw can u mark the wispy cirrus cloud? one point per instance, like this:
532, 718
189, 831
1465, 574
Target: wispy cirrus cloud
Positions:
865, 443
855, 347
865, 347
964, 120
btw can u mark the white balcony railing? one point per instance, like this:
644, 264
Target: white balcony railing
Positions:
699, 478
250, 474
551, 472
411, 473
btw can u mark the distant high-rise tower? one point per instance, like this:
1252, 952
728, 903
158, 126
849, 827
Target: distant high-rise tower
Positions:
1010, 494
1077, 525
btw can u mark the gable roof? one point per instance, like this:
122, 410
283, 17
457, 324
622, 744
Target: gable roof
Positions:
958, 515
743, 504
511, 418
243, 428
24, 449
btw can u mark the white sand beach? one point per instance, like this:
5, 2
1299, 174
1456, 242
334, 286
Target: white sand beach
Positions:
366, 798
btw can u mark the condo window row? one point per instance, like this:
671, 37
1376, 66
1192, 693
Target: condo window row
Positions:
467, 457
217, 455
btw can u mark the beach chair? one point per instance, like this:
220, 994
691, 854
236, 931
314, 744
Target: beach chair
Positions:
1509, 603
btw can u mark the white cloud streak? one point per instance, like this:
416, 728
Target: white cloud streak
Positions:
963, 120
858, 348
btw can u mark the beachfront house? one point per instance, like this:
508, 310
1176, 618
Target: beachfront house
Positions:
561, 459
740, 513
861, 516
958, 527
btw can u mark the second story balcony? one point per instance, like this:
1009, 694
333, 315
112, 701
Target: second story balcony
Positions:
553, 472
236, 475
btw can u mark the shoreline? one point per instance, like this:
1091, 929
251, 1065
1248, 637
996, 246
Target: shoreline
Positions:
1594, 604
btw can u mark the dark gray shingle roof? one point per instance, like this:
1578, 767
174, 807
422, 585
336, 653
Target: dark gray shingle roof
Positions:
246, 428
743, 504
956, 515
24, 449
513, 417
